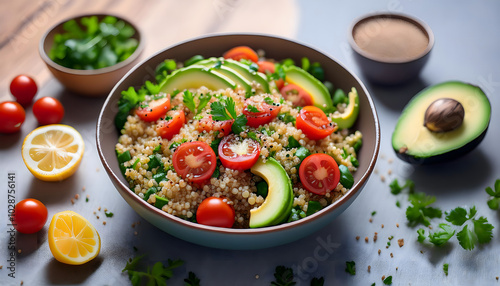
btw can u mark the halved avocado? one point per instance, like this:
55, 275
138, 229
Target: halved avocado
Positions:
278, 203
229, 72
318, 91
347, 118
196, 76
416, 141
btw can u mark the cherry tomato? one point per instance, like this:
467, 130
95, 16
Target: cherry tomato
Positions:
208, 124
237, 153
215, 212
24, 89
169, 127
297, 95
319, 173
12, 116
153, 110
265, 114
267, 67
48, 110
194, 161
30, 216
314, 123
241, 52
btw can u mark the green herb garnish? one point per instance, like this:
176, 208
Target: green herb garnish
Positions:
442, 236
494, 200
419, 211
388, 280
346, 178
475, 230
192, 280
157, 275
253, 109
108, 214
396, 188
225, 110
350, 267
445, 269
189, 101
283, 276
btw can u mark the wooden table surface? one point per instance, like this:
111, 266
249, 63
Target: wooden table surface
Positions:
162, 22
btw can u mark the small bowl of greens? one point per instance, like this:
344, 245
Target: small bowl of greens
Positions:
88, 54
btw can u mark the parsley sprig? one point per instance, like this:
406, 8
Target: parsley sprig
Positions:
225, 109
189, 100
494, 200
474, 231
192, 280
419, 211
284, 277
157, 275
350, 267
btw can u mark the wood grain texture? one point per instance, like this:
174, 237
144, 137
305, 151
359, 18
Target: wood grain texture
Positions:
162, 22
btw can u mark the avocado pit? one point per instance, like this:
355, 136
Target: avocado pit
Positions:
443, 115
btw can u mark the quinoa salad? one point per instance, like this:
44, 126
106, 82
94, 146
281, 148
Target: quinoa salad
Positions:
238, 141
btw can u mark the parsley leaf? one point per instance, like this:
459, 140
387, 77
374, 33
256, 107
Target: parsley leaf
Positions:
419, 212
239, 124
155, 275
219, 112
252, 109
421, 235
483, 229
388, 280
225, 109
457, 216
108, 214
445, 269
440, 237
396, 188
466, 238
188, 100
350, 267
269, 100
494, 200
284, 276
192, 280
477, 231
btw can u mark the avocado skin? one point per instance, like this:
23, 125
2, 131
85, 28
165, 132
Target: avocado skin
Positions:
445, 157
452, 154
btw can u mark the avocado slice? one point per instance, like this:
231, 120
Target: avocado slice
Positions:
278, 203
318, 91
243, 70
229, 72
347, 118
196, 76
415, 143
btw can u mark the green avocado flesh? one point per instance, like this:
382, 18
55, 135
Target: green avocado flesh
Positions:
230, 73
319, 93
196, 76
241, 70
278, 203
415, 143
347, 118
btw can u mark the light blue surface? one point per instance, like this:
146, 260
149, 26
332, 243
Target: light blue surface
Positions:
466, 48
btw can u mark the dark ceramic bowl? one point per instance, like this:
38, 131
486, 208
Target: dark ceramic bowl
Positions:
93, 83
386, 71
229, 238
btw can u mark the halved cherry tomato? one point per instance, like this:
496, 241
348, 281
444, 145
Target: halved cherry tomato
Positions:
314, 123
194, 161
30, 216
267, 67
215, 211
208, 124
48, 110
237, 153
153, 110
296, 94
23, 88
12, 116
169, 127
266, 113
319, 173
241, 52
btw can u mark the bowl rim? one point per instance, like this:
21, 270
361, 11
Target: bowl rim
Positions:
117, 66
248, 231
397, 15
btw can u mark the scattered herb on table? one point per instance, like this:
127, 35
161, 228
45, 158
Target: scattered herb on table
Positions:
475, 230
445, 269
192, 280
108, 214
373, 213
419, 211
388, 280
494, 200
350, 267
442, 236
397, 189
93, 44
283, 276
154, 276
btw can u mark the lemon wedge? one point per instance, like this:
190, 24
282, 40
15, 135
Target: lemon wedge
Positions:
53, 152
72, 239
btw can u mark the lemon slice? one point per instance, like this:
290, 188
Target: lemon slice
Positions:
53, 152
72, 239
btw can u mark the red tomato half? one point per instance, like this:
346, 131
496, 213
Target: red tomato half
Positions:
215, 212
297, 95
12, 116
30, 216
48, 110
314, 123
265, 114
170, 127
237, 153
194, 161
153, 110
319, 173
267, 67
208, 124
23, 88
241, 52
